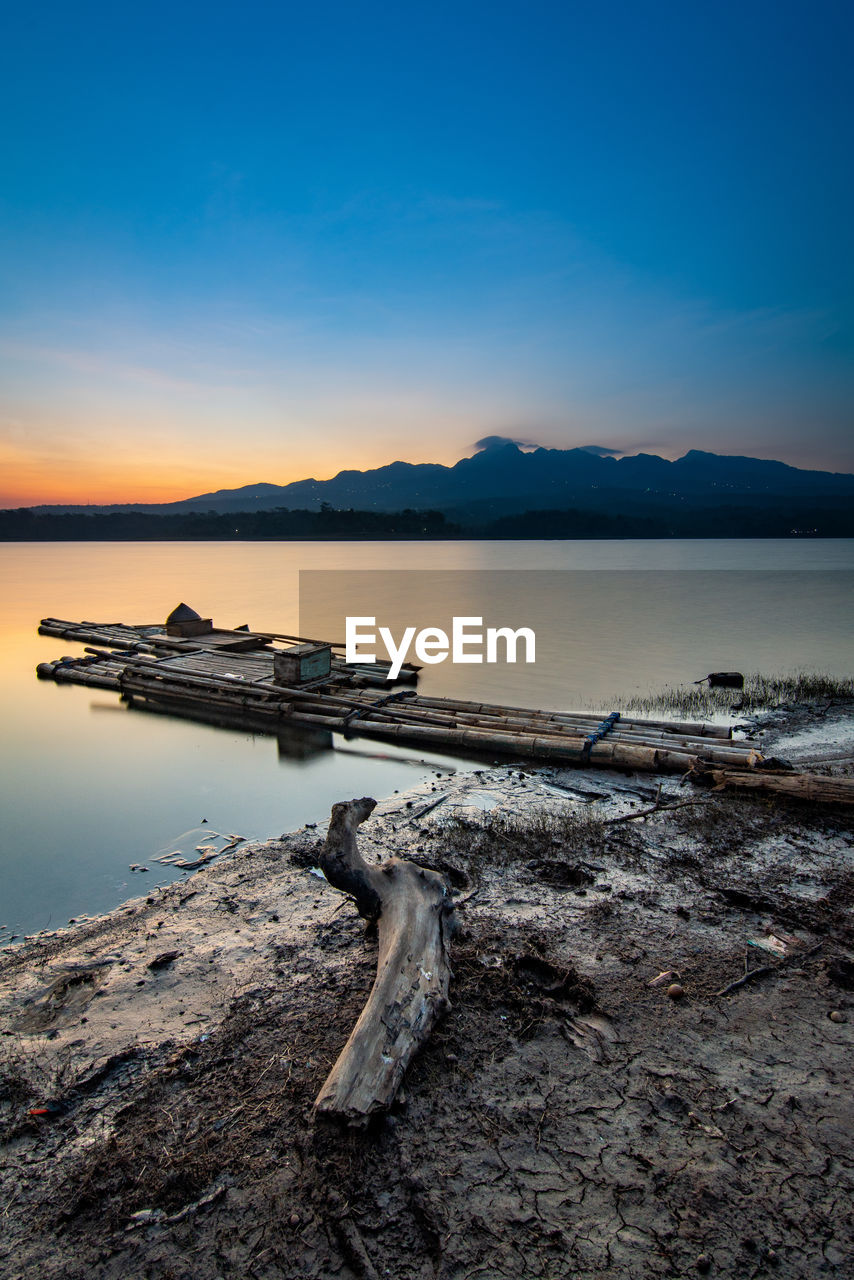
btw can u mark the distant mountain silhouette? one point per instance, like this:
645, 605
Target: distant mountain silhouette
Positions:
504, 480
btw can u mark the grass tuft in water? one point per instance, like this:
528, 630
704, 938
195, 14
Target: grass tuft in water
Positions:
760, 693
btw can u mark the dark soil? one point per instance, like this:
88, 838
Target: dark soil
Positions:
567, 1118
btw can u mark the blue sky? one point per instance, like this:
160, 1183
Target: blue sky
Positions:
260, 242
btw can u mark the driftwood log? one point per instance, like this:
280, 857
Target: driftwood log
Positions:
812, 788
413, 912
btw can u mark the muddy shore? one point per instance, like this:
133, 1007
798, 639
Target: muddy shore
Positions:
610, 1095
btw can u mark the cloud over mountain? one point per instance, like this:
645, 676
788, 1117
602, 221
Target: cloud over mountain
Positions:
601, 451
498, 442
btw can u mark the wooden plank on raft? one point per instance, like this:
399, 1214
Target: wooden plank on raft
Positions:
254, 666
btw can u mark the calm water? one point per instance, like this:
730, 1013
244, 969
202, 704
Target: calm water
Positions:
89, 787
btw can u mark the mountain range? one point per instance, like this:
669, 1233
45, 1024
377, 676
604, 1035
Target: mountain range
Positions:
503, 480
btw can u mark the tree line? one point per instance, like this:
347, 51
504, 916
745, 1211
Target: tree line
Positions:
821, 519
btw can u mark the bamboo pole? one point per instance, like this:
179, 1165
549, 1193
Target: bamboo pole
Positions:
117, 638
280, 635
697, 728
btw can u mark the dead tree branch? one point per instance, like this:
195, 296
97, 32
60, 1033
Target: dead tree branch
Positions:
413, 911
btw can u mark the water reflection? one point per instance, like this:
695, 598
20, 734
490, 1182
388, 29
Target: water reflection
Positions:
85, 793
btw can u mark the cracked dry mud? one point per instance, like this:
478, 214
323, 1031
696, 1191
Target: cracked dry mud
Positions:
567, 1119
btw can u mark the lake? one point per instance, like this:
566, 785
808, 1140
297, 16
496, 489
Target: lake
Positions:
90, 787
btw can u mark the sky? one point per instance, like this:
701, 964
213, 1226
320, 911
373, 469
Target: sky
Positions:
259, 242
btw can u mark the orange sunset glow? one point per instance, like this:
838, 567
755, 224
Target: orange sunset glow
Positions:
342, 266
75, 477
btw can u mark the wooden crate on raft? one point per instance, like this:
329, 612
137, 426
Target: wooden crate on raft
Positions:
302, 663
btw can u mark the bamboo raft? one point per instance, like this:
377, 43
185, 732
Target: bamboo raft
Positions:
227, 677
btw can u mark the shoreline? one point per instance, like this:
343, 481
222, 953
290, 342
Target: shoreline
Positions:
239, 986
